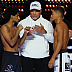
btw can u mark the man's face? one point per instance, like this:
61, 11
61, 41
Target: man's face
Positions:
54, 15
16, 18
35, 14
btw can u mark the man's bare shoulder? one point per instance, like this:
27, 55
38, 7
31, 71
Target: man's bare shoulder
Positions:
4, 28
59, 27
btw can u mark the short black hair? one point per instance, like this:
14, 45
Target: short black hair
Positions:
59, 5
59, 9
10, 11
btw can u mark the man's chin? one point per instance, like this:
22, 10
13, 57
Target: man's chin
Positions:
52, 19
34, 19
15, 22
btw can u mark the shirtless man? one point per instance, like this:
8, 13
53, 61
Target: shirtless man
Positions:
61, 38
9, 36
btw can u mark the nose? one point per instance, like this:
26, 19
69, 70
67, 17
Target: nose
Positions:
18, 17
34, 12
51, 15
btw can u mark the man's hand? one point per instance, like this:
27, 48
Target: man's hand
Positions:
28, 31
20, 27
39, 28
70, 33
51, 63
32, 31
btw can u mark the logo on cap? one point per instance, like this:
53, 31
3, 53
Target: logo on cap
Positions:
34, 5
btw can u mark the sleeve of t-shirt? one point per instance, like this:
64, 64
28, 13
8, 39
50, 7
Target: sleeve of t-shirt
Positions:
22, 31
49, 35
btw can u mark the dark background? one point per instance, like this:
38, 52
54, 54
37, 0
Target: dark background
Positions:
25, 4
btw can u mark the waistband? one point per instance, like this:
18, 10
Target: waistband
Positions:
11, 53
63, 51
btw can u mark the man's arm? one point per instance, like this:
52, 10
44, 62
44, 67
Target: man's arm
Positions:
58, 47
49, 36
47, 31
40, 28
21, 40
60, 40
5, 33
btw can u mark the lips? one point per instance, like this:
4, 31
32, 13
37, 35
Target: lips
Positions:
34, 16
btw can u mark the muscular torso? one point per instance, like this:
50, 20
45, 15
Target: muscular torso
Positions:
7, 47
65, 36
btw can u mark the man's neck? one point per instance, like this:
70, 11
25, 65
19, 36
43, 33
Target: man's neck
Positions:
59, 20
10, 23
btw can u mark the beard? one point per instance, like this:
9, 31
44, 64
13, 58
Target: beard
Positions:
15, 22
34, 17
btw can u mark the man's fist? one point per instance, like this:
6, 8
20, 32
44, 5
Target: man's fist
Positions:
20, 27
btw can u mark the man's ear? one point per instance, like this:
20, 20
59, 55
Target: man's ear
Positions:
59, 14
11, 16
65, 13
40, 11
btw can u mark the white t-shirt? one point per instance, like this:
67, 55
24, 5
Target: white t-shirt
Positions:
36, 46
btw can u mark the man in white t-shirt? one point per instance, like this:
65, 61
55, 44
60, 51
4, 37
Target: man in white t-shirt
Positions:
35, 49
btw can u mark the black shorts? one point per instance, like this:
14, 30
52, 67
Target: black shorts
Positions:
11, 62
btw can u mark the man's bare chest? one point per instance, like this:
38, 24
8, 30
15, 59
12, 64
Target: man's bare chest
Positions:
55, 33
12, 32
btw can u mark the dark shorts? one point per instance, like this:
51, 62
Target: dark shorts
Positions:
1, 53
11, 62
